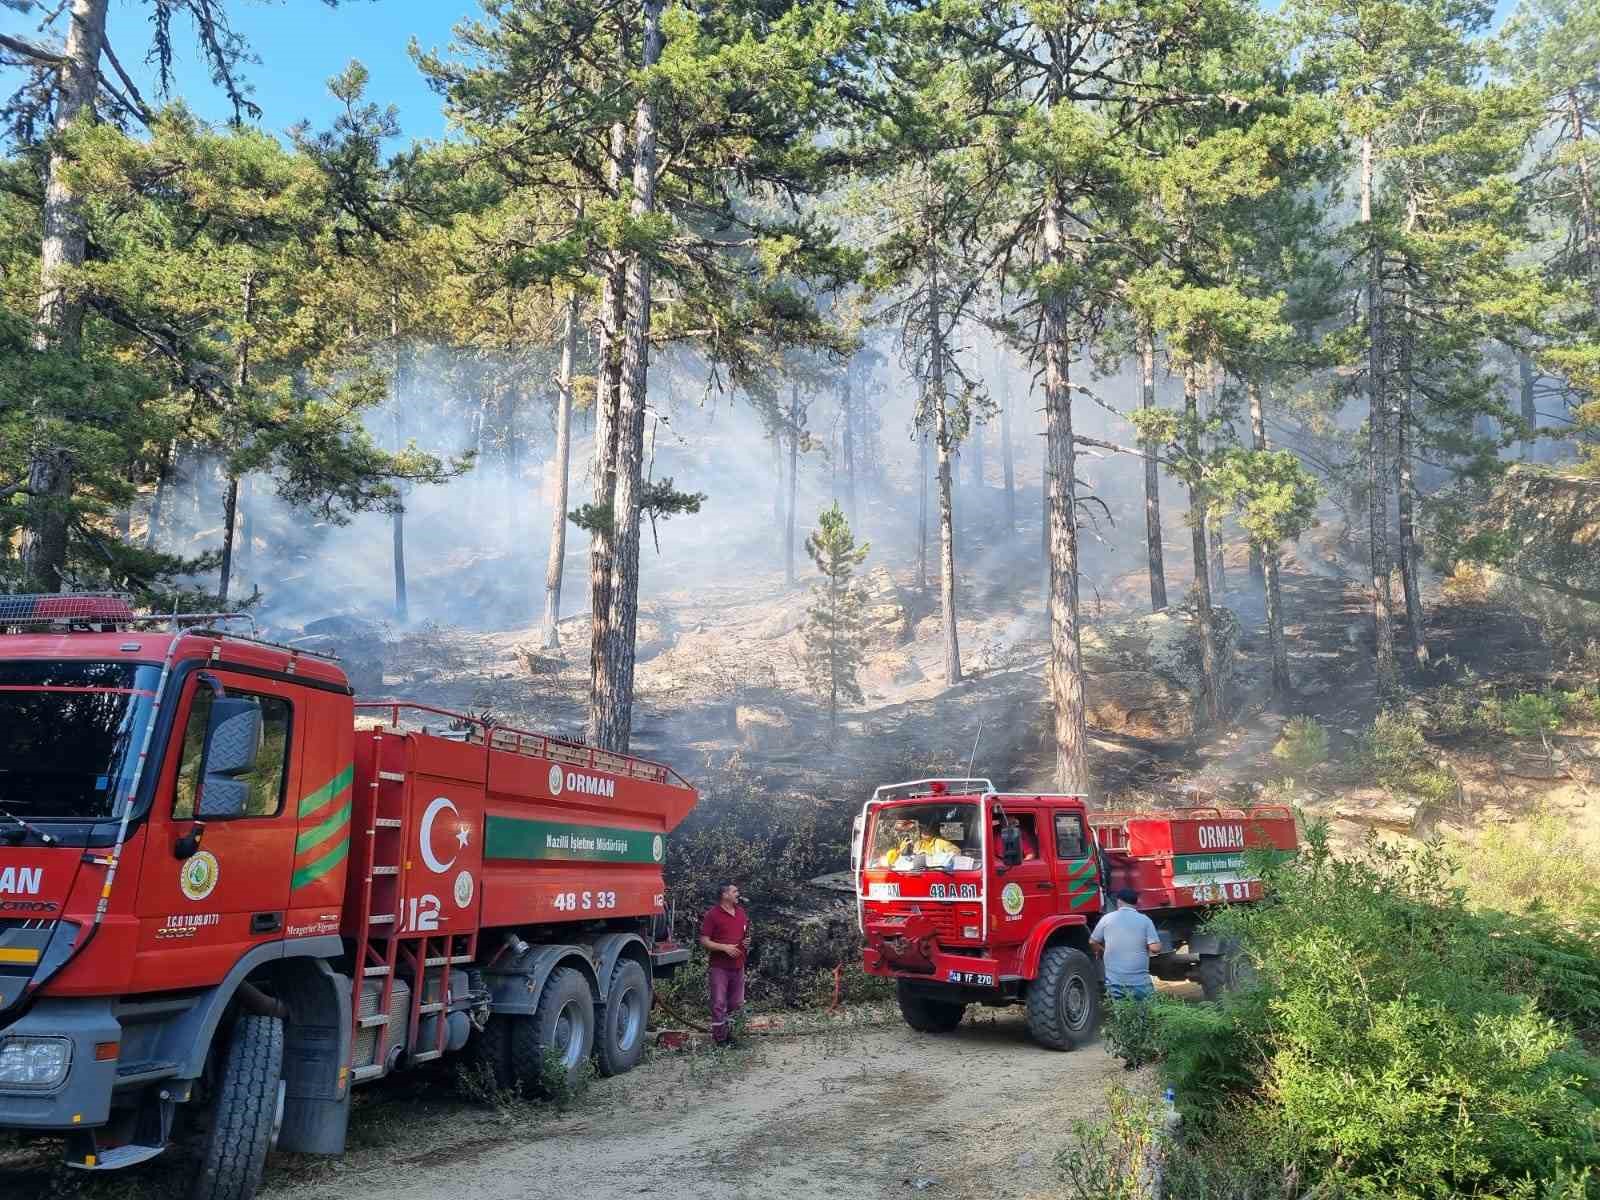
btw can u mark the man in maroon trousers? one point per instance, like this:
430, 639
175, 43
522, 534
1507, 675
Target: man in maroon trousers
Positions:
725, 934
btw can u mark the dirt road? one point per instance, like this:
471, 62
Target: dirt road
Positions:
858, 1113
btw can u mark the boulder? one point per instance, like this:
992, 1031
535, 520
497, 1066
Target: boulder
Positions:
886, 615
1143, 676
762, 728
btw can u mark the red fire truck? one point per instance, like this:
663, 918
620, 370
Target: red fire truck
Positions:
230, 891
966, 895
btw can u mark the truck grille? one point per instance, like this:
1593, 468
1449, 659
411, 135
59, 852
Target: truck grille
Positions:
948, 919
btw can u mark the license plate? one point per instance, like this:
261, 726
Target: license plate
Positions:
975, 978
883, 891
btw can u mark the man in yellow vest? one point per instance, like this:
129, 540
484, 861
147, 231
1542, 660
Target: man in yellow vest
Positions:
912, 839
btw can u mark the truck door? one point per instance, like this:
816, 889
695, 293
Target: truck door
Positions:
1077, 868
199, 913
1023, 895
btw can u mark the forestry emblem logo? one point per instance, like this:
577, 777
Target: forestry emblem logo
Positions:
1011, 899
556, 780
198, 876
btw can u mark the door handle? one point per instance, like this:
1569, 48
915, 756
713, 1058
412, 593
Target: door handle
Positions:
1046, 887
268, 922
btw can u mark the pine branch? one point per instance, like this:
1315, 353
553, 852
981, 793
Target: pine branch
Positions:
37, 55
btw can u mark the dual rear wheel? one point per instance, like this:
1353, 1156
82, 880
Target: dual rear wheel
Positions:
547, 1052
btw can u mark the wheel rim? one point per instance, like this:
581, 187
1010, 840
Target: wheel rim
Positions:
630, 1019
1075, 1002
570, 1030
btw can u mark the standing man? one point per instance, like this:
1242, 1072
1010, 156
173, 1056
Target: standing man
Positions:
1125, 938
725, 935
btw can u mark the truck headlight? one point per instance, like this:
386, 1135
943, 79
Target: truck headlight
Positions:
34, 1062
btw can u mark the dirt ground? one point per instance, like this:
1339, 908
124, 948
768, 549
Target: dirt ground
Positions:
866, 1111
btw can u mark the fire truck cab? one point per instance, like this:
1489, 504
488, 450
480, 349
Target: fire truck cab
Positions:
968, 895
229, 890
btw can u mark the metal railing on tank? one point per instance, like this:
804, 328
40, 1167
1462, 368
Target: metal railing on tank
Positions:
469, 727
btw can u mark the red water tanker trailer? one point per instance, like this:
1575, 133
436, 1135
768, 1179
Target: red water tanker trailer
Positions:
228, 889
959, 912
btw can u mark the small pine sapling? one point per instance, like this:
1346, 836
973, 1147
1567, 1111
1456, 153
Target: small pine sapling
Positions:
835, 627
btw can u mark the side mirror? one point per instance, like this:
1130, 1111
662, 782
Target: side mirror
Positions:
1011, 846
233, 744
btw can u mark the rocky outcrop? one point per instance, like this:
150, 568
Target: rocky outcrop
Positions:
1143, 676
886, 614
1543, 531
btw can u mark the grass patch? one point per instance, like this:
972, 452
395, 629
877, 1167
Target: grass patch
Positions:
1545, 863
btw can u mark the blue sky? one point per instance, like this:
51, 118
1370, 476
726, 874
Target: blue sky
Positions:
301, 43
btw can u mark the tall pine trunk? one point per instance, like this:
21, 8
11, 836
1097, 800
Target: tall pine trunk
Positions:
1530, 412
611, 701
1008, 464
397, 519
922, 511
607, 418
1212, 698
1066, 661
1219, 568
558, 514
943, 445
1152, 475
1269, 558
61, 251
1258, 436
1377, 438
1406, 490
847, 447
794, 483
230, 503
152, 529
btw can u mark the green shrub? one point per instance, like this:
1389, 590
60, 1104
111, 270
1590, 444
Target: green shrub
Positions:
1399, 1044
1396, 753
1532, 714
1303, 744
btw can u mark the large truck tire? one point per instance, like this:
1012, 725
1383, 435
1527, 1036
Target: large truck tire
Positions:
1228, 970
619, 1042
925, 1013
246, 1112
563, 1023
1064, 999
490, 1051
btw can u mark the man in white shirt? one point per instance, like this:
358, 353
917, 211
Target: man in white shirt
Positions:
1125, 938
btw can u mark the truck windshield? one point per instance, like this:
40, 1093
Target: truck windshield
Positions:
912, 837
70, 734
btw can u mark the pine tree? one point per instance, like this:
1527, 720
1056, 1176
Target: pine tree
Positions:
1554, 45
835, 628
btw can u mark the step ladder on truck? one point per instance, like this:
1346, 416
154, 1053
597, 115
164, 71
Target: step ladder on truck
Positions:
966, 895
231, 892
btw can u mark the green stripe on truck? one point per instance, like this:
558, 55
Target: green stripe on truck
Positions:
526, 839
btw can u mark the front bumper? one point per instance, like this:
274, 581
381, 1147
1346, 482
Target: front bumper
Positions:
931, 964
83, 1099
